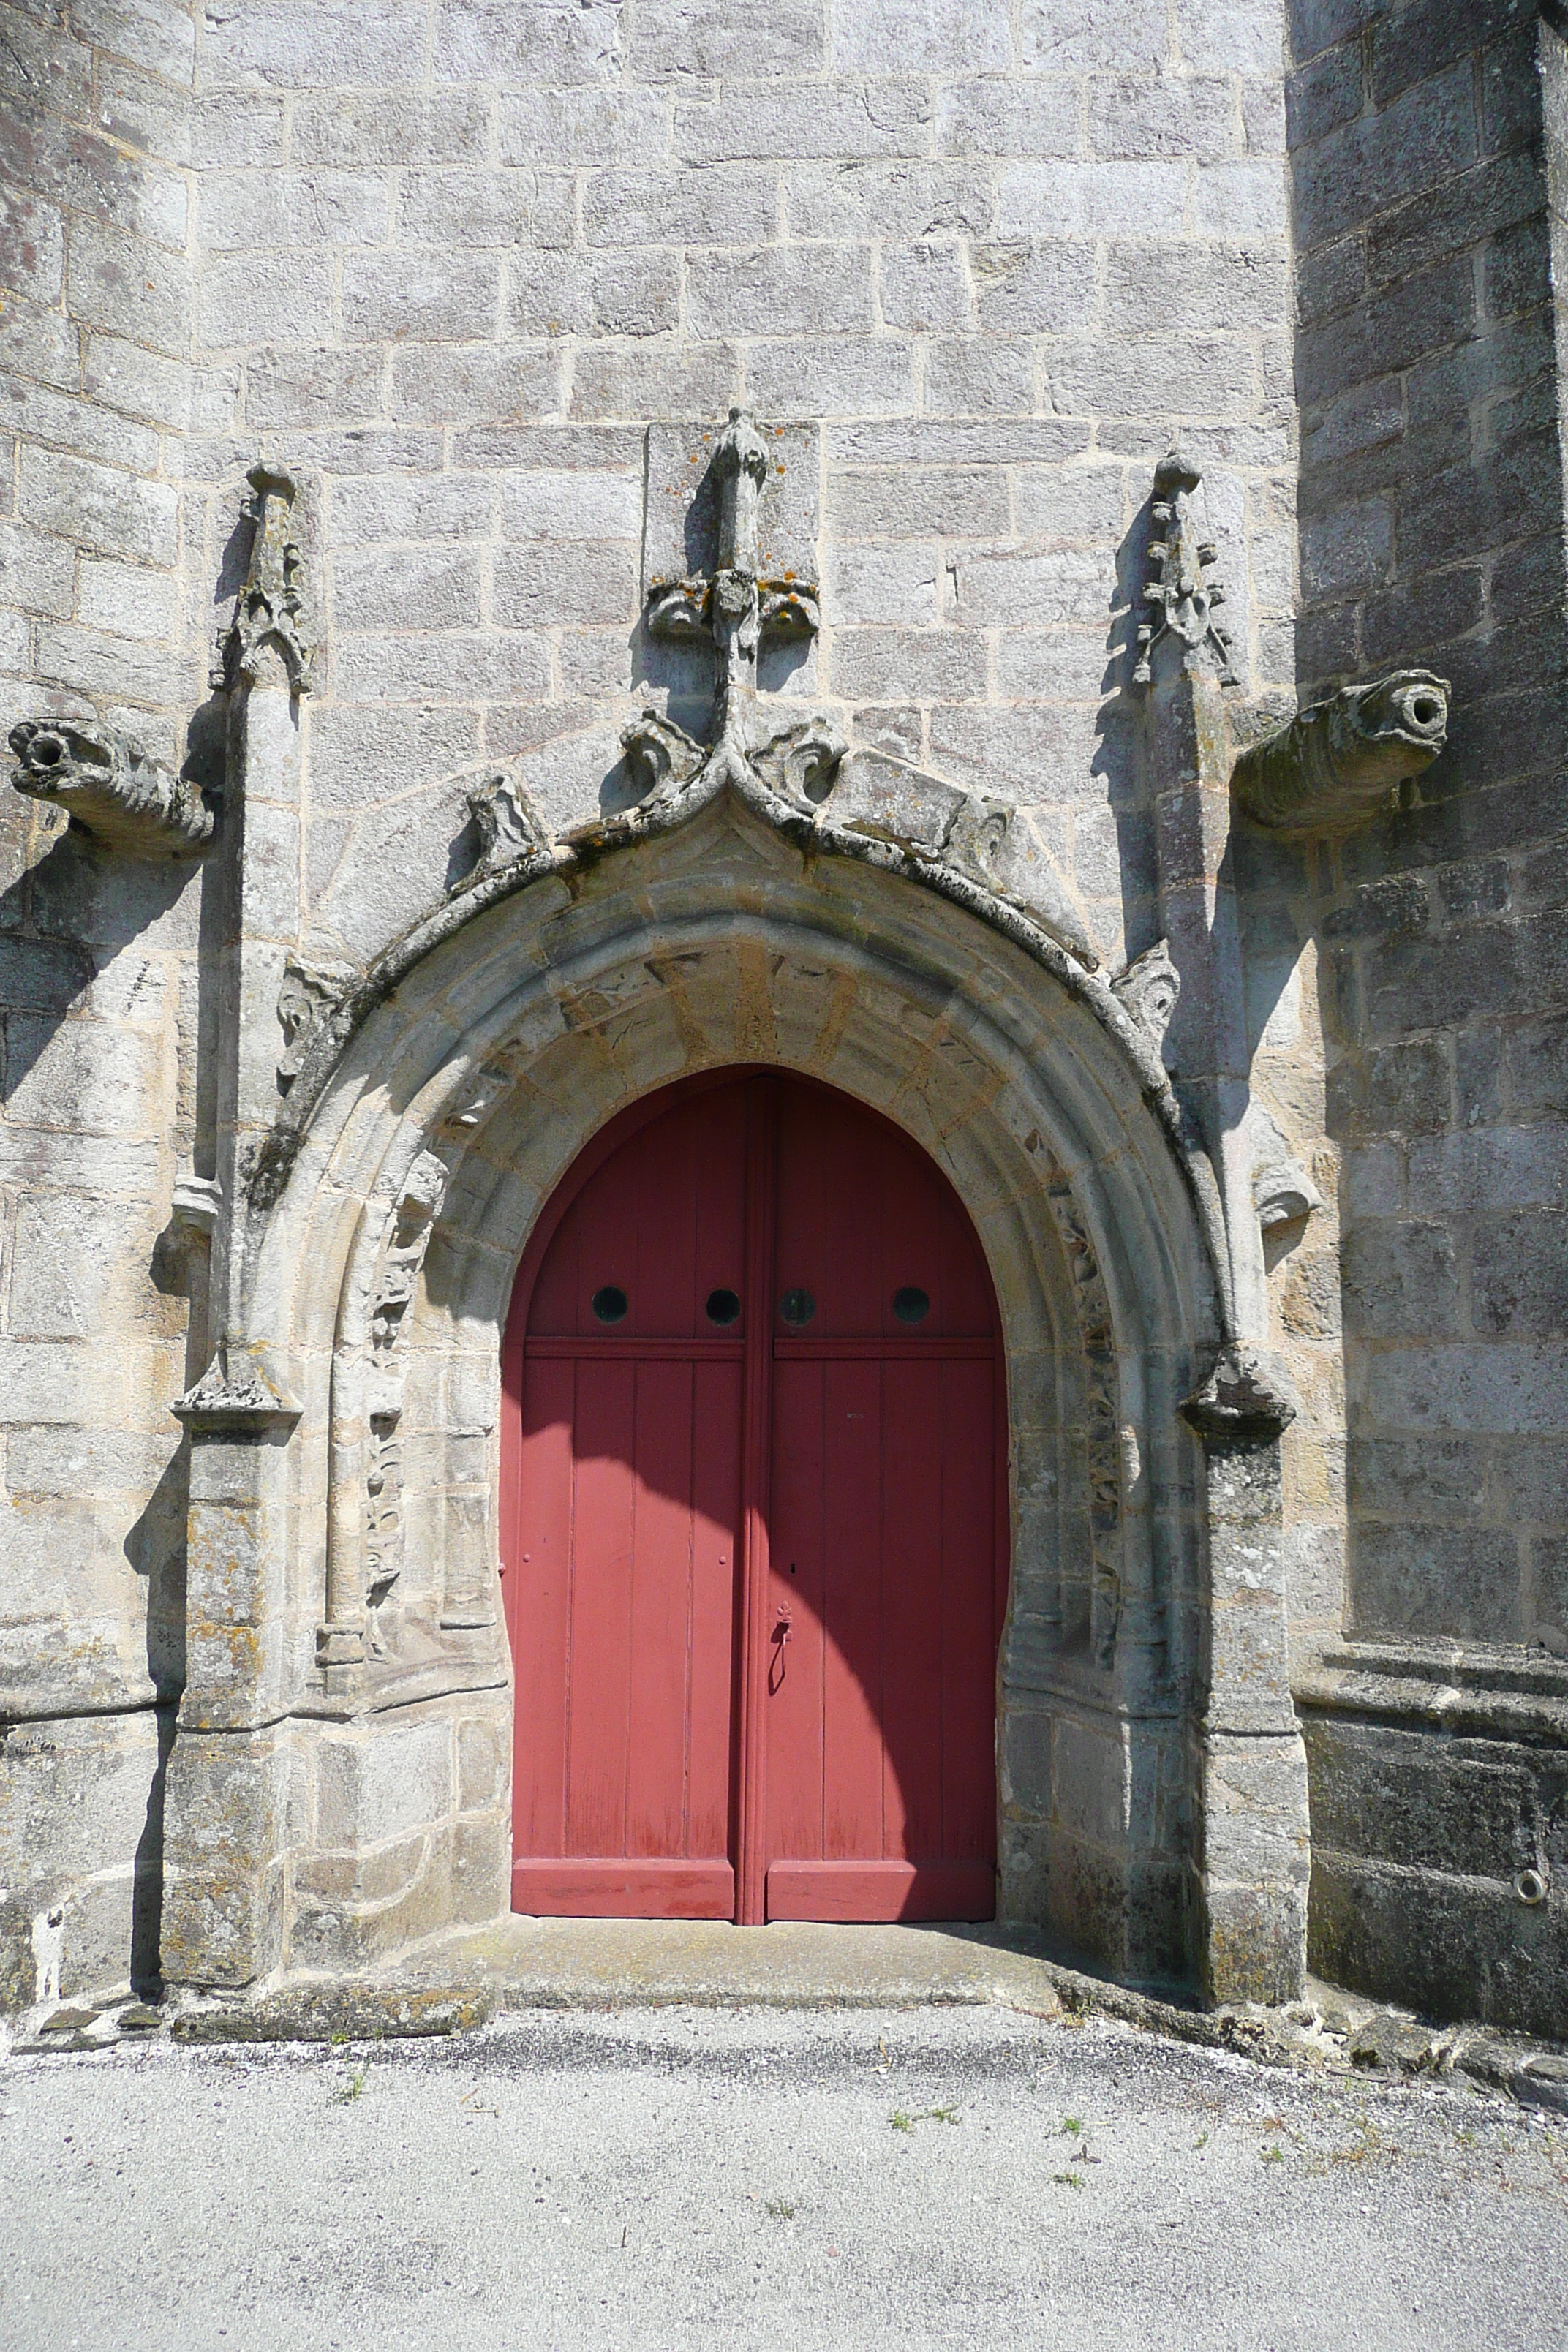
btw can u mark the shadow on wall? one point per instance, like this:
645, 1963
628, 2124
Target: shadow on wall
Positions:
147, 1881
1119, 760
76, 893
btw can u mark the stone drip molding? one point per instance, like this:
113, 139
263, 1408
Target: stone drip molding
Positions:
816, 831
110, 785
826, 798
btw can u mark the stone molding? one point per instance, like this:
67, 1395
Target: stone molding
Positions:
1469, 1690
1103, 1436
235, 1398
108, 782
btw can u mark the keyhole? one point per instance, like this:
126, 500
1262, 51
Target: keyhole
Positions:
792, 1568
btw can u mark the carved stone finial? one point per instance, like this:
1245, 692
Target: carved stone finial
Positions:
307, 994
740, 460
112, 786
735, 604
1150, 988
1334, 764
1181, 593
271, 610
1242, 1398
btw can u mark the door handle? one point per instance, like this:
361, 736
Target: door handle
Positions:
780, 1635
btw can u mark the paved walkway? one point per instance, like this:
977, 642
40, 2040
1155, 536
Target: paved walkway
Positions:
799, 2179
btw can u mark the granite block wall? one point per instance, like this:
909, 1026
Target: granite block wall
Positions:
445, 259
453, 257
97, 982
1431, 506
1424, 155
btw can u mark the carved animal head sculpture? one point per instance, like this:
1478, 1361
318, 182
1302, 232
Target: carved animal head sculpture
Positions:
109, 783
1335, 764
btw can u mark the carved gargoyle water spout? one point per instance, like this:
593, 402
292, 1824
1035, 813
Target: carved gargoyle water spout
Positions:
1335, 764
110, 784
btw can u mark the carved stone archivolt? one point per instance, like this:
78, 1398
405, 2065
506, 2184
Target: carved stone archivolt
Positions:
1102, 1449
108, 782
403, 1260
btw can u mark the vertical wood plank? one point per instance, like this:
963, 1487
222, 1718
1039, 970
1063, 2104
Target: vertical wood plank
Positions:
762, 1129
599, 1661
796, 1677
539, 1600
853, 1693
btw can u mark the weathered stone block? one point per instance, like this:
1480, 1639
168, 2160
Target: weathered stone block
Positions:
855, 377
745, 122
1098, 199
684, 38
1066, 36
1008, 116
399, 588
394, 297
1447, 1947
471, 209
281, 43
383, 1781
347, 126
447, 386
236, 210
716, 204
780, 290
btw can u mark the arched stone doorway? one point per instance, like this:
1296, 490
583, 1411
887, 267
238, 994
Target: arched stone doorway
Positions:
339, 1787
753, 1536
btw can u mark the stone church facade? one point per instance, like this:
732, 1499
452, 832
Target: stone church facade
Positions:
1002, 555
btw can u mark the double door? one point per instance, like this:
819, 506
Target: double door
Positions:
753, 1540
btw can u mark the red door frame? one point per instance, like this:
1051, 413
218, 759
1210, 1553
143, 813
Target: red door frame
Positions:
749, 1811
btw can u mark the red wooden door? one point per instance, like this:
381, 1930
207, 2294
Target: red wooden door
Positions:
752, 1529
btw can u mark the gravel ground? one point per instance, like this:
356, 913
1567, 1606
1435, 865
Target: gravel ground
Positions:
682, 2177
